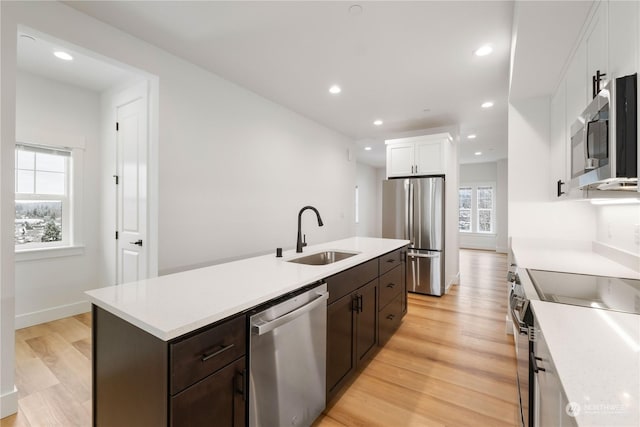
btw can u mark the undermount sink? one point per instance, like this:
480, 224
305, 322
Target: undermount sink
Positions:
323, 258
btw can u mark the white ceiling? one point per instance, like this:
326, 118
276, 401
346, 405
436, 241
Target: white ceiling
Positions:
35, 55
410, 64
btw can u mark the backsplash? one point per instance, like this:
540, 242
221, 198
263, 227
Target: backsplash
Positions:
619, 226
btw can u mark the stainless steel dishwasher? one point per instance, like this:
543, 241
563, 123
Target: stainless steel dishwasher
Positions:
287, 368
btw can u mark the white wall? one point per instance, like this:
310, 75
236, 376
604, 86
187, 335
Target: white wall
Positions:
452, 182
531, 213
234, 168
370, 201
502, 216
46, 113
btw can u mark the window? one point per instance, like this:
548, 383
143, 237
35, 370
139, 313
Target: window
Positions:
42, 206
476, 208
357, 209
464, 202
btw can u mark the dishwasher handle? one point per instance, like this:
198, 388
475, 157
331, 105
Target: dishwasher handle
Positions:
279, 321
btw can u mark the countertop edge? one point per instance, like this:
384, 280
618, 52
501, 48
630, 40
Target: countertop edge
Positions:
170, 334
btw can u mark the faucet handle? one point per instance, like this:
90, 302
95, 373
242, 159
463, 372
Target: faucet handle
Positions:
304, 240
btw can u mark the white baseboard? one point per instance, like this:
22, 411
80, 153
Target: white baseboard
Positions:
9, 403
502, 250
36, 317
455, 280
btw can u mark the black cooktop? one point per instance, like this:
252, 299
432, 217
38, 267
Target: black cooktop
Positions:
610, 293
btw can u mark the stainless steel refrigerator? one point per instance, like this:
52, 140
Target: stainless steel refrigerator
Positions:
413, 209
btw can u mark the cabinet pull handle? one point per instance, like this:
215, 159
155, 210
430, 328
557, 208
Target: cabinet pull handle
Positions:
206, 356
534, 365
354, 303
391, 260
391, 317
391, 285
360, 303
240, 384
560, 183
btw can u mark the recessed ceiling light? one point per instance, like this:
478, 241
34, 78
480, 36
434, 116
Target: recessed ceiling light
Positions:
63, 55
377, 122
355, 10
483, 50
487, 104
335, 89
367, 148
472, 136
478, 153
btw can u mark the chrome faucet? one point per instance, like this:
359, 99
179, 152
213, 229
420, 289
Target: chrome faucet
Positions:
302, 243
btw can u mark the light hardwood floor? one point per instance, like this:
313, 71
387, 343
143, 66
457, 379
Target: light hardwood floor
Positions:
449, 364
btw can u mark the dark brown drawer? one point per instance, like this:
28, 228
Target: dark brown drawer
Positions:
200, 355
390, 286
348, 281
390, 260
389, 319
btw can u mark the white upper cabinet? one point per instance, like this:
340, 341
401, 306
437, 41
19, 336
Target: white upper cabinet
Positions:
596, 43
609, 44
623, 40
558, 150
400, 159
422, 155
576, 86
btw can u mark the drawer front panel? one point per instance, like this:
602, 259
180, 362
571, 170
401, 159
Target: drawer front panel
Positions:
200, 355
390, 318
391, 260
348, 281
390, 286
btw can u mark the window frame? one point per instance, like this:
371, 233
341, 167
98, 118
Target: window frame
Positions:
470, 209
475, 216
71, 244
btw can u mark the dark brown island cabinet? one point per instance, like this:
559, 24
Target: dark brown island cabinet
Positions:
365, 306
200, 378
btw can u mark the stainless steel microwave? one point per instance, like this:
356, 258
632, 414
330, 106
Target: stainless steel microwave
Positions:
604, 139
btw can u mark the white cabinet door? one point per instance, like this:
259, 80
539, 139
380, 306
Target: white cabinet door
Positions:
623, 42
429, 158
400, 159
550, 401
559, 144
596, 46
577, 87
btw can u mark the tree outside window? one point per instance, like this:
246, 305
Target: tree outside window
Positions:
464, 209
476, 208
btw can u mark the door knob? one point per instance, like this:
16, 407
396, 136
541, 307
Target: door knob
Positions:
138, 242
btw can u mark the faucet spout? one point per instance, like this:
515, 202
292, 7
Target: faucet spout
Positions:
300, 243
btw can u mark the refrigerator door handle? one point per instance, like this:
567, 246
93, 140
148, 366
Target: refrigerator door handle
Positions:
409, 254
411, 233
407, 195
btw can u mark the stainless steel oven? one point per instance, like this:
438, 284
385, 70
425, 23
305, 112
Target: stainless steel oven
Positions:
523, 327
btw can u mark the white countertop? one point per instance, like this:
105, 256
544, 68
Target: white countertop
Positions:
596, 352
172, 305
597, 357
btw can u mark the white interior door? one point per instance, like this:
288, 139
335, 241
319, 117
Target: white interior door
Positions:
131, 170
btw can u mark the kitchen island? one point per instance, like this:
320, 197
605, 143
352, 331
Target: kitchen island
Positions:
163, 347
591, 354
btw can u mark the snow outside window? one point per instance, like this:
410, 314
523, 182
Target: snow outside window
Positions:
42, 199
477, 208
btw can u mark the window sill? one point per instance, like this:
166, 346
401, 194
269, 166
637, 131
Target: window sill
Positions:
469, 233
44, 253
